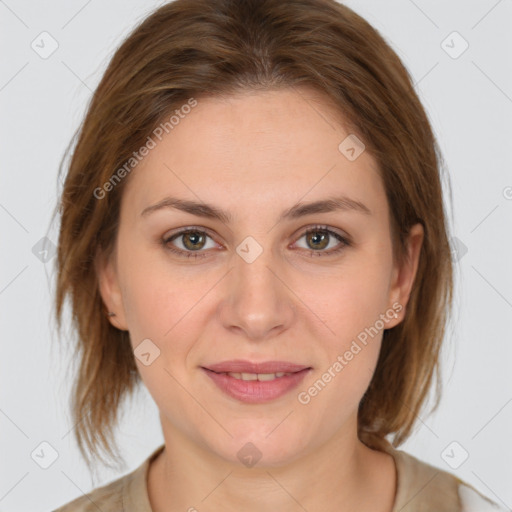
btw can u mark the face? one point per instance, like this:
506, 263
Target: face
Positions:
218, 259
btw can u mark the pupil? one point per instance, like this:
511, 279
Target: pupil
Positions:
192, 237
321, 238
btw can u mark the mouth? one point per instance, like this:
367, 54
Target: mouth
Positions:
256, 382
262, 377
248, 367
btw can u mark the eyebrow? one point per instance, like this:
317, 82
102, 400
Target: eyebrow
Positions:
199, 209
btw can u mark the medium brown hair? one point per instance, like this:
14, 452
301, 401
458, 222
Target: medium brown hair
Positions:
193, 48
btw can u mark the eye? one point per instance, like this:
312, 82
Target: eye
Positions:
192, 240
320, 237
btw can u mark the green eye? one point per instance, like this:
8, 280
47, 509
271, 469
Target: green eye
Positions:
194, 240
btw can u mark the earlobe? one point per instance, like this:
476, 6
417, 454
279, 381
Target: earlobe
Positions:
405, 275
109, 290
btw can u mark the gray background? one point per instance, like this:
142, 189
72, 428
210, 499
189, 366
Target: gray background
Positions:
42, 100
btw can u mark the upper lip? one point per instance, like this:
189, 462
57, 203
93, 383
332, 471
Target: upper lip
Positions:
241, 366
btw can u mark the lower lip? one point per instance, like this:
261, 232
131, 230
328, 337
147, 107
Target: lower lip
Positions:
255, 391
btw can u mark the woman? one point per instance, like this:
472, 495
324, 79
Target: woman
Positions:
252, 225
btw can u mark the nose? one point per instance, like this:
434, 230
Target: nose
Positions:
258, 302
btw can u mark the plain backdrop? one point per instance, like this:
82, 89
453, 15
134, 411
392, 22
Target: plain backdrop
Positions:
467, 93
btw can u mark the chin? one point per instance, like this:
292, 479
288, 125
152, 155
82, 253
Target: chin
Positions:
259, 449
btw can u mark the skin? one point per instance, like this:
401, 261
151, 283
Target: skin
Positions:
255, 155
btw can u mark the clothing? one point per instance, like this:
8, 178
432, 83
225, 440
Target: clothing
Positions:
420, 488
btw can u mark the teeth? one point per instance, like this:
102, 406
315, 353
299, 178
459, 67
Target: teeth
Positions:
257, 376
266, 376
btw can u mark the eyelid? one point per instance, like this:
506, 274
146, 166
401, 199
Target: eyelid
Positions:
167, 239
343, 239
324, 227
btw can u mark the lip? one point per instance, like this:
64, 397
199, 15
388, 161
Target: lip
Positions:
255, 391
242, 366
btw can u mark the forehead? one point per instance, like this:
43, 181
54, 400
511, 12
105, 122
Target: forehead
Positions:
256, 149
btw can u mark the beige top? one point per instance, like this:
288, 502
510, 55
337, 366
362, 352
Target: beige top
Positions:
420, 488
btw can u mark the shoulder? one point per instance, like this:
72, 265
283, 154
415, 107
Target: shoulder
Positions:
473, 501
126, 494
422, 486
107, 498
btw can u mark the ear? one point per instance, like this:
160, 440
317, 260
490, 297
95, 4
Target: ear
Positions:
403, 276
109, 288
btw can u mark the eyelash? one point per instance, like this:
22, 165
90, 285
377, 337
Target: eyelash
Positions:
345, 242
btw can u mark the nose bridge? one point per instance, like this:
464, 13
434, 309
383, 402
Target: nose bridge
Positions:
254, 272
257, 302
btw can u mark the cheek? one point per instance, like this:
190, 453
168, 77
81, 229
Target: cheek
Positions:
160, 308
351, 306
349, 353
155, 298
352, 302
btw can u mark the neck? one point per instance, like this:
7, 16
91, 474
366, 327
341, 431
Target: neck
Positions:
341, 475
